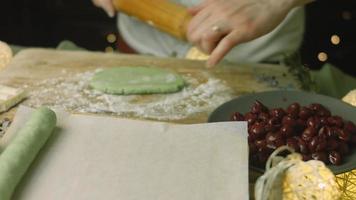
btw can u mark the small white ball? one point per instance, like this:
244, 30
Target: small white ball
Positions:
5, 54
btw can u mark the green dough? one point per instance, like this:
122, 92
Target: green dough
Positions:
20, 153
137, 80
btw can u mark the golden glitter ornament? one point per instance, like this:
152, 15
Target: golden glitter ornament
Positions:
5, 54
310, 180
292, 179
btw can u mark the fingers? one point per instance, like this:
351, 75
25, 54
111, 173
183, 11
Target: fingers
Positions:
206, 37
106, 5
210, 37
196, 23
205, 31
224, 46
196, 9
209, 43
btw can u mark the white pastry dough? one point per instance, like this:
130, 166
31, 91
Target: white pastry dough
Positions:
5, 54
351, 97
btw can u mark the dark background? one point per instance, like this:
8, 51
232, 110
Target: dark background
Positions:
47, 22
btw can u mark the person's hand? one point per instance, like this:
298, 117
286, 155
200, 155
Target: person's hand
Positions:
107, 5
219, 25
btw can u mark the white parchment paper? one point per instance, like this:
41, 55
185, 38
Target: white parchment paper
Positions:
92, 158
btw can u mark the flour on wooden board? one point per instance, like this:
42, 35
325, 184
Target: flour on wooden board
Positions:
72, 92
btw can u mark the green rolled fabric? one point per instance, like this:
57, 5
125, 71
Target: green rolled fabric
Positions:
20, 153
333, 82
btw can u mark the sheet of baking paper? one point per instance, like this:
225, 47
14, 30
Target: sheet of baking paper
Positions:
91, 158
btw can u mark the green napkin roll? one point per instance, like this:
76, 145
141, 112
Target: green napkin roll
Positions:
332, 81
20, 153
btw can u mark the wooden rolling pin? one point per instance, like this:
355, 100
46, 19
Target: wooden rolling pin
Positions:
165, 15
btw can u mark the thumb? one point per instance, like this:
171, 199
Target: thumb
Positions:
106, 5
109, 8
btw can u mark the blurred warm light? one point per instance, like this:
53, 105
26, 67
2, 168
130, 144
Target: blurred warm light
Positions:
109, 49
111, 38
322, 56
346, 15
335, 39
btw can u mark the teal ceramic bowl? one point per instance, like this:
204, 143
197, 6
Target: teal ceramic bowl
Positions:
274, 99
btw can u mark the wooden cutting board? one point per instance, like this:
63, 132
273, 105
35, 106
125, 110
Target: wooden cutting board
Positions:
35, 65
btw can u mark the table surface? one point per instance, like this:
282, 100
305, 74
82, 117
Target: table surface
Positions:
34, 65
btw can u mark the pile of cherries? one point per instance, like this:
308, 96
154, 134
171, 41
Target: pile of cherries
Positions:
310, 130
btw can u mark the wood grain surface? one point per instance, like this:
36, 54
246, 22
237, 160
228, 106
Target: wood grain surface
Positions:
34, 65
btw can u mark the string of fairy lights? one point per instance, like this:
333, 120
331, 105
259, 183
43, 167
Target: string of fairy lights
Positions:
335, 39
111, 38
323, 56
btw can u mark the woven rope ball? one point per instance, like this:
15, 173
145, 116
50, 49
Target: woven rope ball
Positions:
5, 54
347, 181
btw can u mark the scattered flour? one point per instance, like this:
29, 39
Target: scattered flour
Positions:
72, 93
